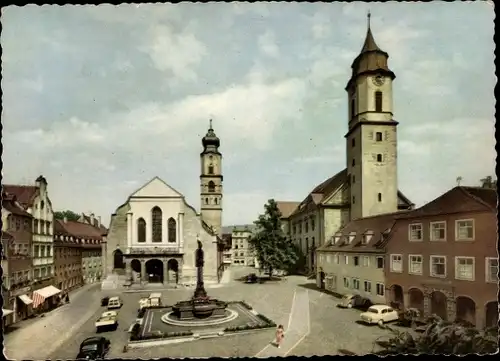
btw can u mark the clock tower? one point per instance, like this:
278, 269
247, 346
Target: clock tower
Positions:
371, 141
211, 181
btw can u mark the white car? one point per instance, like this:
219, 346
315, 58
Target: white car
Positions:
379, 314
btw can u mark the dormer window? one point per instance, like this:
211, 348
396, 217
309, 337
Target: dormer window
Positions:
367, 238
352, 235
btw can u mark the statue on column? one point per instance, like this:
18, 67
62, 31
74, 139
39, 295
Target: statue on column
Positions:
200, 291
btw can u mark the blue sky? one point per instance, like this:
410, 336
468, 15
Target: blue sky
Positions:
100, 99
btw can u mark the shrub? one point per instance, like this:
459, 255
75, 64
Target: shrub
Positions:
266, 320
160, 335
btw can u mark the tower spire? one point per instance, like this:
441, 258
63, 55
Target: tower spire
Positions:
210, 124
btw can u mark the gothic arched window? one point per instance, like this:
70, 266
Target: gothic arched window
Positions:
378, 101
157, 224
141, 230
211, 186
172, 229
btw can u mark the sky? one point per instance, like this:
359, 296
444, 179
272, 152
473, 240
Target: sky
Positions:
101, 99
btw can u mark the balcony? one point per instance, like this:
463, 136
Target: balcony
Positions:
153, 250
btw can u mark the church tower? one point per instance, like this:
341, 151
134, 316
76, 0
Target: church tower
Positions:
371, 140
211, 180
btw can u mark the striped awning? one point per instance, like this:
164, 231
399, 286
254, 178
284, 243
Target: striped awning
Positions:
43, 293
26, 300
6, 312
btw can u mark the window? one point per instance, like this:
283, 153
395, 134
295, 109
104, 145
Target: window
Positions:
378, 101
306, 225
141, 230
157, 224
353, 199
368, 286
415, 262
352, 235
379, 197
464, 268
216, 201
346, 259
18, 224
346, 282
329, 258
366, 261
206, 200
438, 231
42, 204
210, 169
211, 186
294, 229
366, 238
355, 283
415, 232
356, 260
380, 262
380, 289
379, 157
492, 270
353, 107
464, 229
353, 142
396, 263
35, 226
172, 230
438, 266
336, 259
353, 162
378, 136
353, 179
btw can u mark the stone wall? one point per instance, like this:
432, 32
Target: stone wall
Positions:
117, 235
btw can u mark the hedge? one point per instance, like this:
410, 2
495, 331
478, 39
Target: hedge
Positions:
160, 335
247, 327
246, 305
265, 319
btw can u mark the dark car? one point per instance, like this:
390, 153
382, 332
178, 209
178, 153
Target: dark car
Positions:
252, 278
93, 348
104, 301
356, 301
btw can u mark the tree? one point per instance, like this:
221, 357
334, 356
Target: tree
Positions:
488, 182
442, 337
271, 247
70, 215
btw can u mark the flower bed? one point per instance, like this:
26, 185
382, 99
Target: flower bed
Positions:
158, 335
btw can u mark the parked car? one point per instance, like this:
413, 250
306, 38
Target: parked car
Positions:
379, 314
104, 301
356, 301
93, 348
108, 320
252, 278
114, 302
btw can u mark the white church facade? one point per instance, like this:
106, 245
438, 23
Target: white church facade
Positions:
153, 236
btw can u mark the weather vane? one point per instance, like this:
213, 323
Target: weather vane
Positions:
369, 16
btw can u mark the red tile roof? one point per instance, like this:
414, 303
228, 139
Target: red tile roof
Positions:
88, 219
287, 207
11, 206
24, 194
76, 229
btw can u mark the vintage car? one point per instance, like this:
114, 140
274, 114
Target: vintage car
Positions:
114, 302
252, 278
93, 348
108, 320
104, 301
154, 299
356, 301
379, 314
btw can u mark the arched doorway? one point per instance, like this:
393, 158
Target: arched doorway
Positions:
154, 271
118, 262
466, 309
491, 313
416, 299
136, 265
439, 305
397, 298
173, 271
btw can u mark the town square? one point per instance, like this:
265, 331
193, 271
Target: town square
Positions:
248, 180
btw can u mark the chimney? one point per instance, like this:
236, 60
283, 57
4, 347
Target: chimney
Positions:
99, 221
92, 219
65, 219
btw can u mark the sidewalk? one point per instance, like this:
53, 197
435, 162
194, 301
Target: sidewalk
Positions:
37, 338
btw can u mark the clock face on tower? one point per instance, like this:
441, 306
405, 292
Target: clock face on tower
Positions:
378, 80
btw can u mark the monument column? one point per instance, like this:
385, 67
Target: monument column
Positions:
129, 229
180, 224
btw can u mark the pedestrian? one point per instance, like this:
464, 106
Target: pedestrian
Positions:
280, 333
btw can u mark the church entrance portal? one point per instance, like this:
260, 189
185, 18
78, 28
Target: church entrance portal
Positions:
118, 263
154, 271
173, 271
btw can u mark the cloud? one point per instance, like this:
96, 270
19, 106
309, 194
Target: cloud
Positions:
267, 44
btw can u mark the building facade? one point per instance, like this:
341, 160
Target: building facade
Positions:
211, 181
67, 258
17, 275
242, 254
443, 259
35, 200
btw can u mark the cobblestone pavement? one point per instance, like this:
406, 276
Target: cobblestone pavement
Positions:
38, 338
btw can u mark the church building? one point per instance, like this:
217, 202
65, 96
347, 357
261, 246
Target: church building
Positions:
368, 186
153, 236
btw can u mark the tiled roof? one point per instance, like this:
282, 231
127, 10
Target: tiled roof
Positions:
76, 229
322, 191
352, 235
238, 228
88, 219
287, 207
457, 200
24, 194
12, 207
